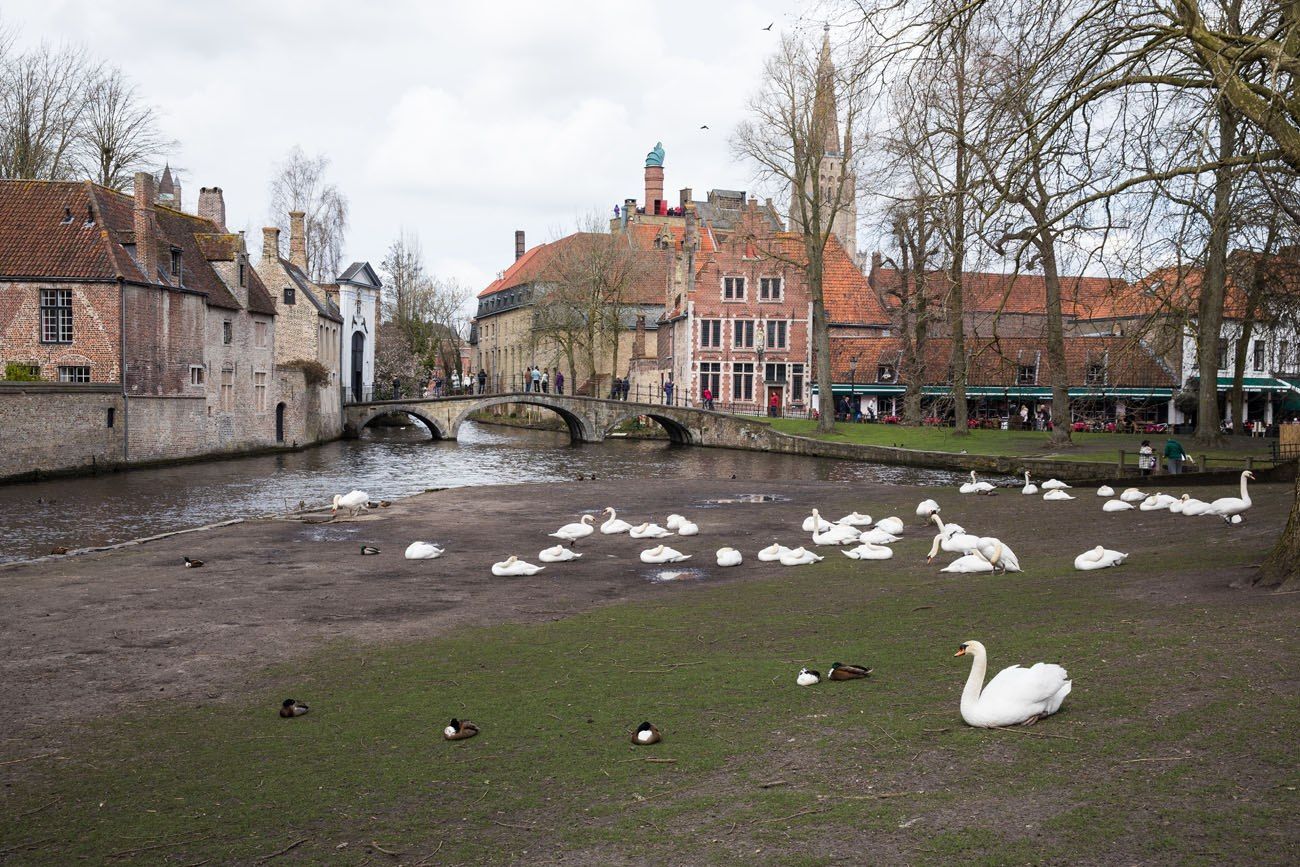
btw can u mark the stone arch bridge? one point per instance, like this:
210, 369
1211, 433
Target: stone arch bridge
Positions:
589, 419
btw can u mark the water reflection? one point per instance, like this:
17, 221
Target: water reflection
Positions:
388, 463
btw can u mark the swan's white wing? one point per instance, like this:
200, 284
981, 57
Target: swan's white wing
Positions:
1035, 688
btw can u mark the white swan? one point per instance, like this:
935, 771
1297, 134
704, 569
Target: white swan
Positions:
892, 525
953, 543
877, 536
1157, 502
354, 502
1116, 506
1177, 505
772, 553
512, 566
1098, 558
815, 522
974, 486
1056, 494
868, 551
614, 524
798, 557
423, 551
837, 534
558, 554
1030, 487
971, 563
688, 528
648, 530
1054, 485
663, 554
855, 519
1193, 506
1105, 491
1015, 695
947, 528
573, 532
674, 521
729, 557
1229, 507
1133, 495
925, 509
999, 554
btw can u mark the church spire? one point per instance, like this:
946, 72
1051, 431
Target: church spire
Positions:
825, 112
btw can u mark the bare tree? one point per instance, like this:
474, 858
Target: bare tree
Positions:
119, 132
913, 227
299, 184
426, 314
42, 103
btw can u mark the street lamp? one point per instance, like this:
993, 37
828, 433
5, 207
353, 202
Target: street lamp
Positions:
853, 384
762, 371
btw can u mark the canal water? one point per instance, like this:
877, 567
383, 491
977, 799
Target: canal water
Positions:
387, 463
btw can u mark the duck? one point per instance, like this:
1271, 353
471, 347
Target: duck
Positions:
1098, 558
646, 734
290, 708
571, 533
191, 563
1133, 495
459, 730
648, 530
877, 536
729, 557
354, 502
837, 534
840, 671
1230, 508
1030, 487
58, 551
1193, 506
799, 557
513, 566
688, 528
674, 521
998, 553
892, 525
973, 562
925, 509
1105, 491
369, 550
1015, 696
1157, 502
663, 554
1056, 494
557, 554
869, 551
815, 522
1116, 506
975, 487
423, 551
808, 677
614, 524
1054, 485
952, 542
855, 519
772, 553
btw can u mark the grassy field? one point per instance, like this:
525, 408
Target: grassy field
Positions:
1088, 446
1177, 745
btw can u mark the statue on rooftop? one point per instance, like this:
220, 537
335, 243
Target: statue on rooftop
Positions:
656, 156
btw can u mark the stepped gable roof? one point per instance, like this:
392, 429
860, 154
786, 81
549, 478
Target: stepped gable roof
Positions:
643, 235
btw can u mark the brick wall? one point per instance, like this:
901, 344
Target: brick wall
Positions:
164, 339
95, 334
51, 427
164, 427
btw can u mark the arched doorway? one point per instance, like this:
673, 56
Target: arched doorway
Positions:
279, 422
358, 364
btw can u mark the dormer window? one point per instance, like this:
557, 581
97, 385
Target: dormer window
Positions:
289, 295
67, 216
176, 262
1026, 374
90, 216
886, 373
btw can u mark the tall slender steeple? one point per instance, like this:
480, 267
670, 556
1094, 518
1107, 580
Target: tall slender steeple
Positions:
825, 112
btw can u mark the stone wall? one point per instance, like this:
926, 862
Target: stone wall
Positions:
167, 428
50, 428
245, 419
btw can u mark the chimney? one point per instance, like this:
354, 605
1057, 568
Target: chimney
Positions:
145, 223
638, 342
298, 240
685, 196
629, 211
690, 239
654, 189
271, 244
212, 206
519, 244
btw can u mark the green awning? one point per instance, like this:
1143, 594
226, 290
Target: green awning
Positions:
1256, 383
866, 388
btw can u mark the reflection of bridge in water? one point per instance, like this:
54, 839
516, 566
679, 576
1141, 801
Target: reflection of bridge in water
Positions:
589, 419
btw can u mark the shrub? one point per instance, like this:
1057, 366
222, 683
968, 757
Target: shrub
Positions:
15, 372
313, 372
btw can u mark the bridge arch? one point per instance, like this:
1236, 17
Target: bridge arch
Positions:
678, 433
436, 430
580, 429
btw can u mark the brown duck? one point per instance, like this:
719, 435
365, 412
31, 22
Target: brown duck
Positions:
840, 671
290, 708
646, 734
459, 730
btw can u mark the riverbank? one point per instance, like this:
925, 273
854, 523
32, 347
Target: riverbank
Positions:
114, 657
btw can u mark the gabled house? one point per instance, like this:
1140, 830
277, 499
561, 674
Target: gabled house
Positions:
356, 296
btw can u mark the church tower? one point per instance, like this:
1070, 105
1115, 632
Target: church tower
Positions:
833, 175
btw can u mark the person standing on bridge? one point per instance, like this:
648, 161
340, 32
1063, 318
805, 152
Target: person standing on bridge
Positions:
546, 383
537, 379
559, 381
482, 380
626, 387
668, 392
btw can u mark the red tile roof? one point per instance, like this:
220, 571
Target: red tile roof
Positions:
990, 293
846, 293
648, 284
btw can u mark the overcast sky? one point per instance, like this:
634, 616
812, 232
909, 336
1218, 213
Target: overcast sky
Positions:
461, 122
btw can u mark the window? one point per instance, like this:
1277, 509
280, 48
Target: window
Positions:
710, 333
227, 332
1258, 360
259, 334
711, 377
743, 334
56, 316
773, 372
769, 289
1224, 345
197, 372
243, 271
112, 415
1027, 374
176, 262
733, 288
228, 389
886, 373
742, 381
796, 382
776, 334
74, 373
259, 392
289, 296
1095, 374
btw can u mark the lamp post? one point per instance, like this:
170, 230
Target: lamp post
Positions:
853, 386
762, 371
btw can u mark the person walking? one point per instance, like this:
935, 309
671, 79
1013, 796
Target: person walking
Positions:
625, 387
537, 379
482, 380
1146, 458
707, 397
559, 381
774, 405
1174, 455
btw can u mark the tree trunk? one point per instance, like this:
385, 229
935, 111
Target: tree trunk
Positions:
1282, 566
1046, 242
1209, 311
1237, 397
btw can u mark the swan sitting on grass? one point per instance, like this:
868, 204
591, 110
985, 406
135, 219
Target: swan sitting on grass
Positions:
1015, 696
1100, 557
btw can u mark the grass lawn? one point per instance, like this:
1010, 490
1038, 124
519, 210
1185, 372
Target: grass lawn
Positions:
1090, 446
1177, 745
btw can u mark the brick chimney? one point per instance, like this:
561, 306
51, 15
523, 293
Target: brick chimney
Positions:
145, 224
638, 341
212, 206
690, 236
271, 244
654, 189
684, 197
298, 240
519, 244
629, 211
